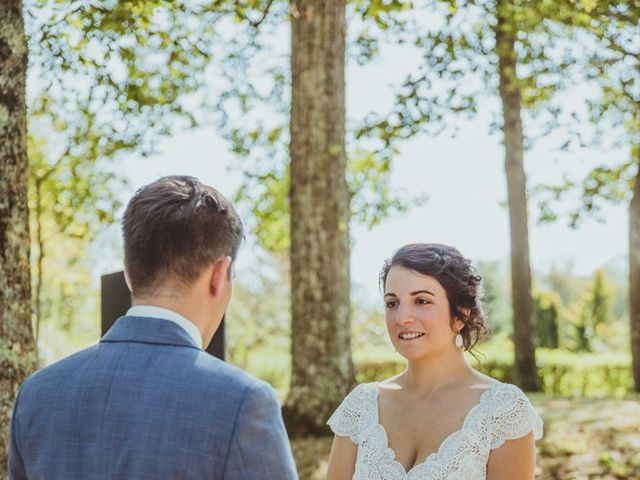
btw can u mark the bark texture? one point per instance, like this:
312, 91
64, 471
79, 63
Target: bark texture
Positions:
634, 275
322, 369
17, 346
523, 326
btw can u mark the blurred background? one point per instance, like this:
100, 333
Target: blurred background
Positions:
509, 129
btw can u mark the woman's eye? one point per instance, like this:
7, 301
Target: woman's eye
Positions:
422, 301
391, 304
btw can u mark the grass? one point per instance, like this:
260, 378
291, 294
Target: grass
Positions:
584, 439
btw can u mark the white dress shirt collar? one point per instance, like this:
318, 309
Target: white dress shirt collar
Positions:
166, 314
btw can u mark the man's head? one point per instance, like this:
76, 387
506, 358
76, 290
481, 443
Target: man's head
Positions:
178, 233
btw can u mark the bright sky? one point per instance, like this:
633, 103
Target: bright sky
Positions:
462, 176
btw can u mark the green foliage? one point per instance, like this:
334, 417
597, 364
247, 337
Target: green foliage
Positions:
561, 373
599, 304
382, 12
132, 64
140, 69
460, 67
70, 200
66, 295
603, 185
258, 334
610, 63
368, 326
106, 78
593, 319
372, 197
592, 312
253, 114
69, 196
266, 192
561, 280
258, 320
495, 283
547, 307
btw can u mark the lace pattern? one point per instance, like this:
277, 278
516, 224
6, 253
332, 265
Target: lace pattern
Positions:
502, 413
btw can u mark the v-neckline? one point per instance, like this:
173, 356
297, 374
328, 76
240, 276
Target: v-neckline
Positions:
436, 453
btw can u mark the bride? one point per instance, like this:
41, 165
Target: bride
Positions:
439, 419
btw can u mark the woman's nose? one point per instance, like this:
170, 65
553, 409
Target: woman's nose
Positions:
404, 315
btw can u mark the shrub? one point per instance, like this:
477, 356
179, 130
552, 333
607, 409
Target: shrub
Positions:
561, 373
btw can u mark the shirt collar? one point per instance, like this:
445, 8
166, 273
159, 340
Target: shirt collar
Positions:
166, 314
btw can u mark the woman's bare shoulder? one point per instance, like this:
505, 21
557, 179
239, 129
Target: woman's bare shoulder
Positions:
391, 383
482, 382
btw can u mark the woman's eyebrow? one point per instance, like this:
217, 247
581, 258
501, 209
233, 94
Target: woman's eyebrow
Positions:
391, 294
423, 291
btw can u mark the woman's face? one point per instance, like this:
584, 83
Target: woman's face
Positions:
418, 316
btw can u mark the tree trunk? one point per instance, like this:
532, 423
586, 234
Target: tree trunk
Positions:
634, 273
17, 347
322, 369
523, 326
37, 301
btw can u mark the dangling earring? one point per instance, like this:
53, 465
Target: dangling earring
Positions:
459, 341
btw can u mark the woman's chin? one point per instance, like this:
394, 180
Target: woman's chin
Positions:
413, 351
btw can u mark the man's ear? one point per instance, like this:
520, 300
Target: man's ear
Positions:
127, 280
219, 275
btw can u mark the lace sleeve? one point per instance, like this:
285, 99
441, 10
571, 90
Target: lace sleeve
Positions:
513, 416
349, 418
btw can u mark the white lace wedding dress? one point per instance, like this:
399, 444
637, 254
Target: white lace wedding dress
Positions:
502, 413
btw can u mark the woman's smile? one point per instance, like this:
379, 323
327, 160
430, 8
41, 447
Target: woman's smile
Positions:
406, 336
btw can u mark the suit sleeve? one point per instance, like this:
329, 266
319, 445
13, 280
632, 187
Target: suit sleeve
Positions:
259, 445
16, 465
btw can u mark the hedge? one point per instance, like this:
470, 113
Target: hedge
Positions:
561, 373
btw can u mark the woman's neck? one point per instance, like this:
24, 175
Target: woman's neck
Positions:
431, 374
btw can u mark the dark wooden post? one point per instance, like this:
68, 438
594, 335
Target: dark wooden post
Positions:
116, 300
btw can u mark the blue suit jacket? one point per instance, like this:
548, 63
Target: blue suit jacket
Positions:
146, 403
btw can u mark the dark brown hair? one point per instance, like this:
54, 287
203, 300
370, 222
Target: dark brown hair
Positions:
457, 276
173, 228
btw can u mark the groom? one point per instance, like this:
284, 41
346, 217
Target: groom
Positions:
147, 402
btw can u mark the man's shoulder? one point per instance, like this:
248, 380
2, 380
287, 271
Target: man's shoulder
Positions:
57, 374
206, 376
60, 368
232, 377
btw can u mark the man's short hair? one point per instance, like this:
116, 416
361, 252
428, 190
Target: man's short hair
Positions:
173, 228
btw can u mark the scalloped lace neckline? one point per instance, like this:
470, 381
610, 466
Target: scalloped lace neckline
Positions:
449, 438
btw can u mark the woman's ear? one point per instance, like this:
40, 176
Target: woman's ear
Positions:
459, 324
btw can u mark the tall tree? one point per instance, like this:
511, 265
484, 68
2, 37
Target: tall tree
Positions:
320, 282
478, 50
140, 62
611, 64
328, 186
17, 346
510, 94
634, 271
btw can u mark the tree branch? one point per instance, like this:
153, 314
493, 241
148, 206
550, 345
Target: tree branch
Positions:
255, 23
